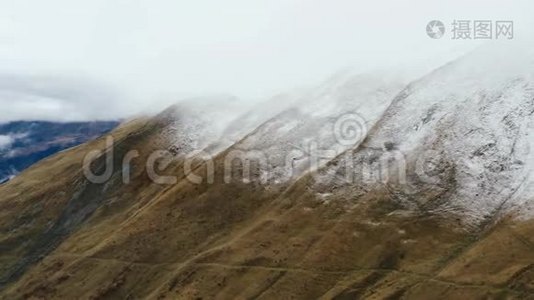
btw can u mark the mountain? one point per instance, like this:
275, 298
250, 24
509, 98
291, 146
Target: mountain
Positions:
366, 186
472, 122
23, 143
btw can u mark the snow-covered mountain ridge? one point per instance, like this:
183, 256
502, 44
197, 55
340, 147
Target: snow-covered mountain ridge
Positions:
473, 115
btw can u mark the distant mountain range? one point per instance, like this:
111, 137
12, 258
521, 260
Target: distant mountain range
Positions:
23, 143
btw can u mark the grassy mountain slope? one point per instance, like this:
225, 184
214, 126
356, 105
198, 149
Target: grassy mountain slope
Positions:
237, 240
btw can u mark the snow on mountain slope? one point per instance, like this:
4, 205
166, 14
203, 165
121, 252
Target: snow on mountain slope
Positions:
201, 123
473, 117
285, 129
302, 136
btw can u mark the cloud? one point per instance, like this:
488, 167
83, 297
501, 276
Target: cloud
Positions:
153, 52
5, 141
57, 98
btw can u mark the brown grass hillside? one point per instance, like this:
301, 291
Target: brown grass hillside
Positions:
62, 237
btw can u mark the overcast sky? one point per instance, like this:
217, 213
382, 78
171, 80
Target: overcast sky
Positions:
143, 54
